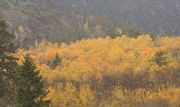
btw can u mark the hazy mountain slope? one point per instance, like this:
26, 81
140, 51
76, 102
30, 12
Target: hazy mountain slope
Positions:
67, 20
157, 16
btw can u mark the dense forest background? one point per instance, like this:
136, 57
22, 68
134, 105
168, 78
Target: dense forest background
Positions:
69, 20
89, 53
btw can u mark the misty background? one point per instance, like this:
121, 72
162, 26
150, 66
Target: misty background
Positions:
70, 20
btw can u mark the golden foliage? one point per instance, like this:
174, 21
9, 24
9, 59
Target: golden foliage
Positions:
90, 73
21, 29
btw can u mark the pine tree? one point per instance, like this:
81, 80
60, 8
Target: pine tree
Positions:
31, 91
160, 59
56, 61
8, 65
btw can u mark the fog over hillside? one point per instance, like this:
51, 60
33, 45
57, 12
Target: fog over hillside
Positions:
68, 20
157, 16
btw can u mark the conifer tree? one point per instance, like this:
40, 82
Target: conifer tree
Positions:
8, 65
160, 59
31, 91
56, 61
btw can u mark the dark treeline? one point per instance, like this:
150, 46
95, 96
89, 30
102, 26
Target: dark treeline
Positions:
20, 85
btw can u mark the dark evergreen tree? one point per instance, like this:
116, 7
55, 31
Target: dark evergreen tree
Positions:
56, 61
8, 66
160, 59
31, 90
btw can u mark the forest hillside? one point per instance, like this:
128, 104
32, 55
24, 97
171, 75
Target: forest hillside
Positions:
89, 53
106, 72
70, 20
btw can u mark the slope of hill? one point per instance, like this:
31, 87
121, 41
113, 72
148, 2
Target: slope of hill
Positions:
68, 20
